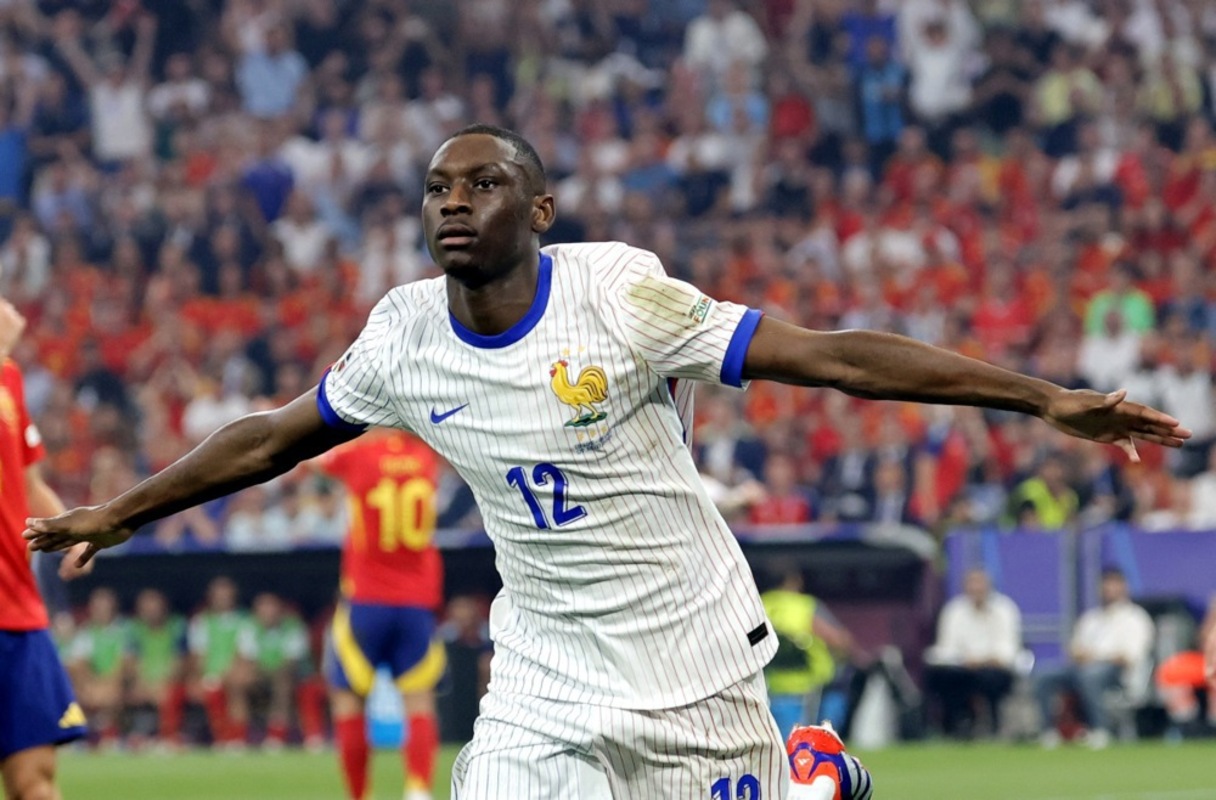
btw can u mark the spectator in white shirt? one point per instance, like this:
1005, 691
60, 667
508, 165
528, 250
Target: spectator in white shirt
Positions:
979, 634
1187, 392
1108, 359
1109, 645
303, 236
1202, 513
723, 35
117, 88
181, 90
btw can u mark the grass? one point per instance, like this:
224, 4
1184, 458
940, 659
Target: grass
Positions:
929, 772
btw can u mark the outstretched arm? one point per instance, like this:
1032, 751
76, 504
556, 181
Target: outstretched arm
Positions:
884, 366
247, 451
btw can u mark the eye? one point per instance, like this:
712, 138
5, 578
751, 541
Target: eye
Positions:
486, 183
435, 188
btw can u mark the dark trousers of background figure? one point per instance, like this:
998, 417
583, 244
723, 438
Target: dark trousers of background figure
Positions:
955, 688
1090, 681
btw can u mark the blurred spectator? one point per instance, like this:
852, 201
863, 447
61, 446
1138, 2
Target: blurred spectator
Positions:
96, 660
1067, 91
117, 88
302, 235
808, 641
1001, 92
892, 497
466, 636
1203, 497
25, 262
213, 642
865, 24
157, 653
182, 93
1045, 501
1123, 298
723, 36
273, 660
14, 147
880, 90
1110, 644
1108, 358
726, 443
784, 501
848, 475
1187, 393
1181, 681
979, 634
938, 49
270, 74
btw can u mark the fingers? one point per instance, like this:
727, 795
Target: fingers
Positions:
1114, 398
1128, 446
48, 542
1164, 441
87, 556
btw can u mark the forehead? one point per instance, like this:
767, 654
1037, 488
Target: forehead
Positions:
471, 151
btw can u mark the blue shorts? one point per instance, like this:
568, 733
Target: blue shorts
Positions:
366, 636
37, 706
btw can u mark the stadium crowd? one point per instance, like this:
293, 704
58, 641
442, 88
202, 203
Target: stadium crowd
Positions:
200, 200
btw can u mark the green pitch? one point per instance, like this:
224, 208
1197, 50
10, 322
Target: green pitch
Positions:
932, 772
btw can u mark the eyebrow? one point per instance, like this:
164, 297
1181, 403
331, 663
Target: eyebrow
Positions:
487, 165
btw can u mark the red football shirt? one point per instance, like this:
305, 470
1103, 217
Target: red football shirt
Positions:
389, 556
21, 607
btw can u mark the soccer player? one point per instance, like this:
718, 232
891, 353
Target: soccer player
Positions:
392, 583
37, 708
629, 635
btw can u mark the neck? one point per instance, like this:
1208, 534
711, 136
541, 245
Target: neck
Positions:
492, 307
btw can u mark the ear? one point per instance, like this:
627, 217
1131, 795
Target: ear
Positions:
544, 212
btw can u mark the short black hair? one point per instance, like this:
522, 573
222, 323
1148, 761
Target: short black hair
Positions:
524, 151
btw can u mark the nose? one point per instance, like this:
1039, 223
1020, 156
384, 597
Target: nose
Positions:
457, 202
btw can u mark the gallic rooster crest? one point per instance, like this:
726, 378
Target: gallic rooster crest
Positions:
582, 394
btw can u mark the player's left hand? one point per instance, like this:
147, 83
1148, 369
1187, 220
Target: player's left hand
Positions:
1113, 419
70, 567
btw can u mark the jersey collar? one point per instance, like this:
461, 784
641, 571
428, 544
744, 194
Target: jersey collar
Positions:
526, 323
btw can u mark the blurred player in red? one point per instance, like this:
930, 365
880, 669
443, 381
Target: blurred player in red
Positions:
37, 708
392, 583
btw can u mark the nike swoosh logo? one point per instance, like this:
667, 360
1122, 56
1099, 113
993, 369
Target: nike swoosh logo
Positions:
438, 418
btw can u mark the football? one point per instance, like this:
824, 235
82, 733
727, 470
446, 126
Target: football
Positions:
820, 769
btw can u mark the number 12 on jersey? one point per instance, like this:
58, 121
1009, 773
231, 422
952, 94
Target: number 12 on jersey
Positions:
542, 475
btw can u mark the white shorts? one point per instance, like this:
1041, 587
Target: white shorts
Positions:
725, 747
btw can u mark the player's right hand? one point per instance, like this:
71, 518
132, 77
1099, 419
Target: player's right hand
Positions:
91, 525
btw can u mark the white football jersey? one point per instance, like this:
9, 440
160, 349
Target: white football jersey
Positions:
622, 585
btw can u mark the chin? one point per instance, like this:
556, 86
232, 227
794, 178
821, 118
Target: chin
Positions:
463, 267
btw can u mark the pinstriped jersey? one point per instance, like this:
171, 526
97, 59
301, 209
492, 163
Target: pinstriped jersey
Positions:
622, 585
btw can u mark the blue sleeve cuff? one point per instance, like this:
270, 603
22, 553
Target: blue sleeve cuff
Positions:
331, 417
736, 351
